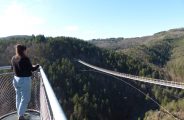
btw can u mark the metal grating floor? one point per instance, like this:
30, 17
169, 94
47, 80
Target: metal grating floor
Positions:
13, 116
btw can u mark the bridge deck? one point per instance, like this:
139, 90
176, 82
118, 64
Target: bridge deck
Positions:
13, 116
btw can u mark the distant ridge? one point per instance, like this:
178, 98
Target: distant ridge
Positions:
16, 37
124, 43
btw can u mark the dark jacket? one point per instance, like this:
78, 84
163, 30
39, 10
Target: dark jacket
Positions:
22, 66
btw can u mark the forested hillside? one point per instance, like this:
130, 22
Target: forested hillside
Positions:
88, 95
164, 52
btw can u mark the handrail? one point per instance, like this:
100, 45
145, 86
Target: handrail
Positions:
55, 106
5, 67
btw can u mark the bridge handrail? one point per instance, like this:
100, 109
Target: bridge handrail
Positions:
55, 106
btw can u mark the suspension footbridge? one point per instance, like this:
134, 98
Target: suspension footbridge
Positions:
166, 83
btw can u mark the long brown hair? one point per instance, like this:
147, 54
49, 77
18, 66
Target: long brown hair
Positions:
20, 50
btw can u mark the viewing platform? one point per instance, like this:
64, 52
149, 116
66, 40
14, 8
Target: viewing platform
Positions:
43, 104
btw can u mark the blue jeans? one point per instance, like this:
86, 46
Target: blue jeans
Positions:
23, 93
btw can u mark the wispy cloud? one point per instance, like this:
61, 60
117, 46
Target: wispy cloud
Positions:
72, 28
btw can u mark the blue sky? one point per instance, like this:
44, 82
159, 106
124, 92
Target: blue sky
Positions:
88, 19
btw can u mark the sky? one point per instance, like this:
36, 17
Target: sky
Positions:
90, 19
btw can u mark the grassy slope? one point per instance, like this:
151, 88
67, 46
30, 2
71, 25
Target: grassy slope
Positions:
175, 69
175, 65
166, 54
174, 107
154, 50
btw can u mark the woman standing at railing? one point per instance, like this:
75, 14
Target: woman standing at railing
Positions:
22, 80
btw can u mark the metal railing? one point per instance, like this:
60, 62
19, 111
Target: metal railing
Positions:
56, 109
167, 83
43, 100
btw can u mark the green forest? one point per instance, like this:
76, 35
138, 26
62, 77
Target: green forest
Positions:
88, 95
